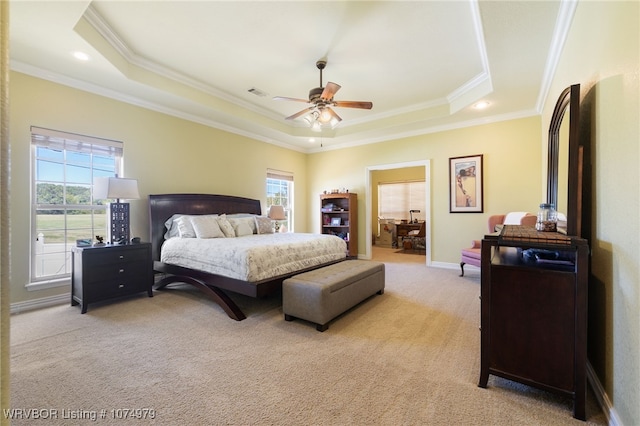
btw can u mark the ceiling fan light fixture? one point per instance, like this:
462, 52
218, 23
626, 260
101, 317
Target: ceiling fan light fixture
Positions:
325, 116
311, 118
321, 98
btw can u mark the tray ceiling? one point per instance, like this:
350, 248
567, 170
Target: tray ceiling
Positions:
423, 64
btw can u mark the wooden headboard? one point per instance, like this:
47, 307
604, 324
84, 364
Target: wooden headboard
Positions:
163, 206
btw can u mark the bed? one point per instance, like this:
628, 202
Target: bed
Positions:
216, 280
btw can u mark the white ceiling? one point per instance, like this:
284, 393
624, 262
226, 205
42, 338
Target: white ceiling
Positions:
423, 64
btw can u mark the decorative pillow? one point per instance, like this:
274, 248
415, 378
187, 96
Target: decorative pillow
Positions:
206, 226
247, 221
185, 228
264, 225
242, 228
226, 227
248, 217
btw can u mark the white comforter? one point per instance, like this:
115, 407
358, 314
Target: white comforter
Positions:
254, 257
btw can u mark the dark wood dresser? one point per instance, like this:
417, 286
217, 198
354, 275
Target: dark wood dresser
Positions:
534, 311
107, 272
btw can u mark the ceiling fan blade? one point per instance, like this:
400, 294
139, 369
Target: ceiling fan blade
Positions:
300, 113
284, 98
329, 91
333, 114
354, 104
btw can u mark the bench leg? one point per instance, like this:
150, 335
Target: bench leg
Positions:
462, 269
319, 327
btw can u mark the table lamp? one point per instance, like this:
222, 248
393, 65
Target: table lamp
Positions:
411, 212
277, 213
115, 188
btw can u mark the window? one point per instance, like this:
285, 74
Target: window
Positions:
62, 207
280, 193
395, 199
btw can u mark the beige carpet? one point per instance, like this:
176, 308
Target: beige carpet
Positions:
408, 357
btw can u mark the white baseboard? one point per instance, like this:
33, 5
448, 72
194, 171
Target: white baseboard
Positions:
43, 302
603, 399
456, 266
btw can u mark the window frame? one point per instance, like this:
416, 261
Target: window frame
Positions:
74, 150
281, 179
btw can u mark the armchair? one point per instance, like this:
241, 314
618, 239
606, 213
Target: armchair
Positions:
471, 255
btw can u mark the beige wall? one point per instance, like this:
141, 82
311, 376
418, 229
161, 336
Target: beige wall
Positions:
168, 154
602, 55
164, 153
512, 168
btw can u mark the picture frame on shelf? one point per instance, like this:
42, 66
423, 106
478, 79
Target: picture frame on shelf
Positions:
336, 221
465, 184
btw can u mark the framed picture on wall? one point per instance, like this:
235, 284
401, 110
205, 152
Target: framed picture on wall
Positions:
465, 184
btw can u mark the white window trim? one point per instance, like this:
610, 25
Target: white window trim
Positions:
53, 283
59, 280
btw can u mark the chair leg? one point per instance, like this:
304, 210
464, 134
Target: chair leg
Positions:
462, 269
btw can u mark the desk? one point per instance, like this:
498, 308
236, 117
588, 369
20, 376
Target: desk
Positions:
403, 229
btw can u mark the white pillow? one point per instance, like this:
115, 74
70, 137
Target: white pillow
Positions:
226, 227
185, 228
514, 218
206, 226
264, 225
172, 227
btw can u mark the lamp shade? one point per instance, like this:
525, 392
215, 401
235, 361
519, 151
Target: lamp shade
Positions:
115, 188
277, 213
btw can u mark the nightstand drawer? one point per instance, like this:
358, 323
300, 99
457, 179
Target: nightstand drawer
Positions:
114, 255
115, 288
114, 271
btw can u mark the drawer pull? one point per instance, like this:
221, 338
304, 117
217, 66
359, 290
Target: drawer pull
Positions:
121, 256
121, 271
120, 285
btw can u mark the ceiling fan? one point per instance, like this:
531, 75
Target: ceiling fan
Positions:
321, 100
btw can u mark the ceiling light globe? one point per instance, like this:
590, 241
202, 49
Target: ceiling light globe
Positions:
325, 116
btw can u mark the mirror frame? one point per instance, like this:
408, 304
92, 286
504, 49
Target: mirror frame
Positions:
570, 97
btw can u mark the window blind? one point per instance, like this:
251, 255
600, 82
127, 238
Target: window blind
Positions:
280, 175
395, 199
57, 140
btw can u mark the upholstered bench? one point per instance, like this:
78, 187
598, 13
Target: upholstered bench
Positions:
322, 294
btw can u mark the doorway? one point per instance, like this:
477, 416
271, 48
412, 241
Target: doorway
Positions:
369, 219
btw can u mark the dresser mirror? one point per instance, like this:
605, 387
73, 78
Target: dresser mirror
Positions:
565, 157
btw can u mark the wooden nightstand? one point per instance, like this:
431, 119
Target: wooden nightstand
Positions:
101, 273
